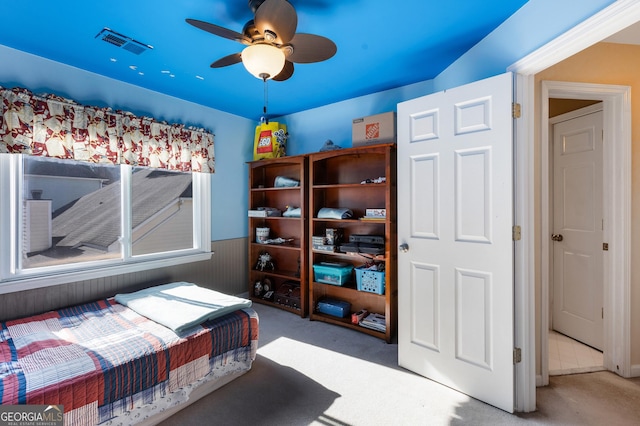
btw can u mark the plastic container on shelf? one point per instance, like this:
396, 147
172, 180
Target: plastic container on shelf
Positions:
369, 280
336, 274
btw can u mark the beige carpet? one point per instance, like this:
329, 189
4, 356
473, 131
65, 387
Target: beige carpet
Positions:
601, 398
311, 373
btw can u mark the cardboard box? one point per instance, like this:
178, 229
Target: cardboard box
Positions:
379, 128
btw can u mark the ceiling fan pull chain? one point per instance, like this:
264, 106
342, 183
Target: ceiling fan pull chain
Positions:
266, 101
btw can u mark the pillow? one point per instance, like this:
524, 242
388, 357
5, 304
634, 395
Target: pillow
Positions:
181, 305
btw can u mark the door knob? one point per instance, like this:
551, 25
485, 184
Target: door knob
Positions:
403, 248
556, 237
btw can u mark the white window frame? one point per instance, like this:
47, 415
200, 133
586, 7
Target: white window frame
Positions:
13, 279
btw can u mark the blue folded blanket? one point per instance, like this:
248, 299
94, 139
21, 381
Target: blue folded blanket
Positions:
334, 213
181, 305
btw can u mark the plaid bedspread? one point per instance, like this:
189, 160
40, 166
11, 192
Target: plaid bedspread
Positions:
90, 357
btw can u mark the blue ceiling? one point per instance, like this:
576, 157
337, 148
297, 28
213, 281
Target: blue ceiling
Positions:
382, 44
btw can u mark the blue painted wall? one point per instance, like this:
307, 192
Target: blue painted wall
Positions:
233, 134
308, 130
536, 23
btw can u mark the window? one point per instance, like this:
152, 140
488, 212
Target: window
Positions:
68, 220
71, 212
162, 211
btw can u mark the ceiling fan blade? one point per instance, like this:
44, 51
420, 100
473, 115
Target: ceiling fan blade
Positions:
286, 72
219, 31
309, 48
232, 59
276, 17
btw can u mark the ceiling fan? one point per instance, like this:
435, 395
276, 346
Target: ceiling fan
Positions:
273, 45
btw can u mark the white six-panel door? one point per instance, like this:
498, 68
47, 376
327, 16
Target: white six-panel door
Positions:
455, 262
578, 227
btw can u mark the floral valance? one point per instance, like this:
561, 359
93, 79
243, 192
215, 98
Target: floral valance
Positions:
51, 126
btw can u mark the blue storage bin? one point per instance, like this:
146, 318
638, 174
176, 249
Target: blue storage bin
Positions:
332, 274
369, 280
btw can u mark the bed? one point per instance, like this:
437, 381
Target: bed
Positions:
106, 363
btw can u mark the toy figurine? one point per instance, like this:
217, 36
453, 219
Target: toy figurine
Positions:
257, 289
265, 262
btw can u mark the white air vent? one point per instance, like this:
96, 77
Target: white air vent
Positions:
119, 40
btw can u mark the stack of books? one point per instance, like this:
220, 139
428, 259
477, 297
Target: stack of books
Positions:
375, 322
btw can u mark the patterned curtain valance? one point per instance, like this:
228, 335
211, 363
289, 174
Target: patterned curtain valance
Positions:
51, 126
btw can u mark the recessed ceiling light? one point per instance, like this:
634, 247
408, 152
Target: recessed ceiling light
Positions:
133, 67
113, 60
140, 73
199, 77
165, 72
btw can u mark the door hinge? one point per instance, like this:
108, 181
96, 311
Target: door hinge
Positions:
605, 246
517, 355
516, 233
602, 311
516, 110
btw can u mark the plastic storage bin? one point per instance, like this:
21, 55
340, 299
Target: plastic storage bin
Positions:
332, 274
369, 280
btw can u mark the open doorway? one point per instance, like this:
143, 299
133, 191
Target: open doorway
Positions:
612, 200
532, 315
576, 314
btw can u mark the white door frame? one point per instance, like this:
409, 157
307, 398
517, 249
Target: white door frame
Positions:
603, 24
616, 177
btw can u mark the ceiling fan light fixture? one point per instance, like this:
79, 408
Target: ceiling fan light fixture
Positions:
263, 60
272, 44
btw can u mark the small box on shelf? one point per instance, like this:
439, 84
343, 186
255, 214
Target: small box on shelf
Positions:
334, 307
265, 212
380, 213
324, 247
374, 129
319, 239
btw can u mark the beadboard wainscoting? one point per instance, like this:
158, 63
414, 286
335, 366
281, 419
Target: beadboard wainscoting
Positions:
226, 272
